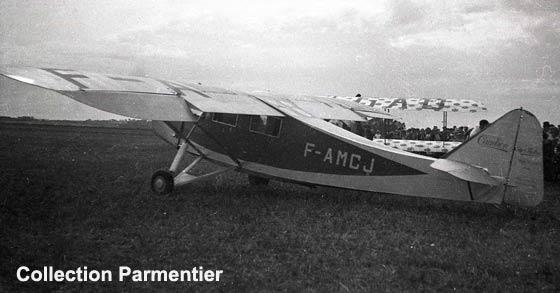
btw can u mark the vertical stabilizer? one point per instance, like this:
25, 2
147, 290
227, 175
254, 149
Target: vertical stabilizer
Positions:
511, 150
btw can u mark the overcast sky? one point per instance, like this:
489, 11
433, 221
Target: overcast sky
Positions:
504, 53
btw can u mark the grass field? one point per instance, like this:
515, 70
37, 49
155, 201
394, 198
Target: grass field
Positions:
81, 198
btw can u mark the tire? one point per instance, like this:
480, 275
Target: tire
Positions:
162, 182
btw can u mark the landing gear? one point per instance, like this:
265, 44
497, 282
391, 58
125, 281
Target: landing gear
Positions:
162, 182
256, 180
165, 181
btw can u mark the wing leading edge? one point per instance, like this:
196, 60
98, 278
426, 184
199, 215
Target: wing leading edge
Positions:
139, 97
153, 99
136, 97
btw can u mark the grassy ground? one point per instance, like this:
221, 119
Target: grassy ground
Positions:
71, 199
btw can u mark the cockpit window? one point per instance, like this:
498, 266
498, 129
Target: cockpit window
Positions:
267, 125
225, 118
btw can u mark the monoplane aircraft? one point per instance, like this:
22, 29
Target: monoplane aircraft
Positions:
443, 105
288, 138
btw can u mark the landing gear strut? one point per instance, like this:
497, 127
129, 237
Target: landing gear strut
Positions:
165, 181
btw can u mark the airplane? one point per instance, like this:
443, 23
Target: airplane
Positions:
289, 138
444, 105
429, 147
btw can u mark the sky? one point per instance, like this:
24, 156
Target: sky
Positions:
503, 53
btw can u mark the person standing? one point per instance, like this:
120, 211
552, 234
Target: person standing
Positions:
482, 124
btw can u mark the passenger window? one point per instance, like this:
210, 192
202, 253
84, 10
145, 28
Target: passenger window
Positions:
225, 118
267, 125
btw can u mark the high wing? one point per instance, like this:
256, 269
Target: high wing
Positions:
217, 100
153, 99
139, 97
453, 105
321, 107
135, 97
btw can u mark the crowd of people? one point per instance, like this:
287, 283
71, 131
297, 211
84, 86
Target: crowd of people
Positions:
392, 129
551, 151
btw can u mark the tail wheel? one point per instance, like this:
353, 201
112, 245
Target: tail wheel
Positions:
162, 182
256, 180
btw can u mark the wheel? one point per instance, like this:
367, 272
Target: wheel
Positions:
162, 182
256, 180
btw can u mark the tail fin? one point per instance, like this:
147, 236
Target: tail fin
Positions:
511, 150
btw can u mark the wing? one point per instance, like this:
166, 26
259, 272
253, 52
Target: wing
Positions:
218, 100
321, 107
135, 97
152, 99
419, 146
451, 105
139, 97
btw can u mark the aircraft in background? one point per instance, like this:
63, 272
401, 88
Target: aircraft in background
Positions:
288, 138
428, 147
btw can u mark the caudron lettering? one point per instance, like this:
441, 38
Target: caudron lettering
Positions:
494, 142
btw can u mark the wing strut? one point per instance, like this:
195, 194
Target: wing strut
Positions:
164, 181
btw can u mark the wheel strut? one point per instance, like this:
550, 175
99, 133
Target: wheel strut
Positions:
164, 181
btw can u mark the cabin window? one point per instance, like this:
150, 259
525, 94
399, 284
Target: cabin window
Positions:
267, 125
225, 118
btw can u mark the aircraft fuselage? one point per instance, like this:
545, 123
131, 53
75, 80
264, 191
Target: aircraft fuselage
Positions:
325, 155
297, 147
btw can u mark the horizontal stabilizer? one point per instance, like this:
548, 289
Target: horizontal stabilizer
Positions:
465, 171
